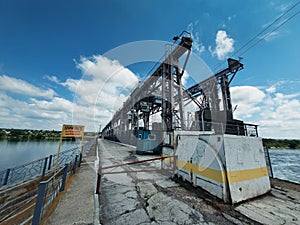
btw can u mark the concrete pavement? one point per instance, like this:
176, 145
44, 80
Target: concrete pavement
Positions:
142, 198
152, 198
76, 207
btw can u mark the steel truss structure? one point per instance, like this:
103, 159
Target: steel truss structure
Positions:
164, 93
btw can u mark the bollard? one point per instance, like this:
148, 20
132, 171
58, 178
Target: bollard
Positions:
50, 161
75, 164
64, 178
6, 177
45, 166
39, 204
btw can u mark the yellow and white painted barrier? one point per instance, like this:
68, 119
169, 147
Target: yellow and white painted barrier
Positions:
231, 167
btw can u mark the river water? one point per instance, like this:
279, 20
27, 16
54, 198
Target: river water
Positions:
20, 152
285, 162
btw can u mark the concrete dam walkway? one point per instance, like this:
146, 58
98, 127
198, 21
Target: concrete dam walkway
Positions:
153, 198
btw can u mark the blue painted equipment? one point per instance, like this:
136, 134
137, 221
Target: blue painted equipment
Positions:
149, 141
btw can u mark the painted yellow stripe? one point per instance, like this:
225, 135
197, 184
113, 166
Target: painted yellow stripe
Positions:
219, 176
250, 174
202, 171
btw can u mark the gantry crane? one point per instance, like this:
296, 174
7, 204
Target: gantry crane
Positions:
164, 93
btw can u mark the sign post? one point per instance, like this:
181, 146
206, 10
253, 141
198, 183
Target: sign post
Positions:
69, 131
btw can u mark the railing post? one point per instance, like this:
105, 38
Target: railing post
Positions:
266, 148
98, 181
175, 163
64, 178
75, 164
80, 160
39, 204
256, 131
50, 161
6, 177
45, 166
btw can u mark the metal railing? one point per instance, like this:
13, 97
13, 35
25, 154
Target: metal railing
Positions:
47, 192
40, 167
64, 157
243, 129
87, 146
23, 172
268, 161
49, 189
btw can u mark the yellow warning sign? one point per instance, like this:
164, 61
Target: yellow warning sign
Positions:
72, 131
69, 131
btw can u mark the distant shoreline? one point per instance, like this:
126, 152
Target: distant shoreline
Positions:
281, 143
34, 135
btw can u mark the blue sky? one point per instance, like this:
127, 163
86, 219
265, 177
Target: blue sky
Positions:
54, 64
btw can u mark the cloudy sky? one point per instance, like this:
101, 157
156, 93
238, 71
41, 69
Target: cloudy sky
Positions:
76, 61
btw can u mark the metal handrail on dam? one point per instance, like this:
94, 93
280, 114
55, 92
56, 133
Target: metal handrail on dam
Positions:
38, 168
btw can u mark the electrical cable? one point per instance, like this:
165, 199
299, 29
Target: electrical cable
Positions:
268, 34
267, 27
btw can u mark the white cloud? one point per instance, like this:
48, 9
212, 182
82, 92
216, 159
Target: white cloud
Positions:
275, 112
224, 45
247, 98
98, 94
271, 89
101, 91
271, 36
52, 78
185, 78
282, 7
18, 86
197, 46
30, 114
103, 78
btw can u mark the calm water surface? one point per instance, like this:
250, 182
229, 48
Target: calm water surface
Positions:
286, 164
17, 153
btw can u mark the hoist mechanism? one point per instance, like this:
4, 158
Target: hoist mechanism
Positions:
215, 108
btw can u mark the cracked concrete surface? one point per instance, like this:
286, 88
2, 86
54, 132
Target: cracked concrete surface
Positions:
270, 210
152, 198
134, 198
144, 205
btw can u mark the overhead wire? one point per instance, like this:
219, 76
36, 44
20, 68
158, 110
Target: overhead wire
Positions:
267, 27
270, 33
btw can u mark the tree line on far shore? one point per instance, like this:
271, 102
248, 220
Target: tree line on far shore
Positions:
32, 135
281, 143
26, 135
